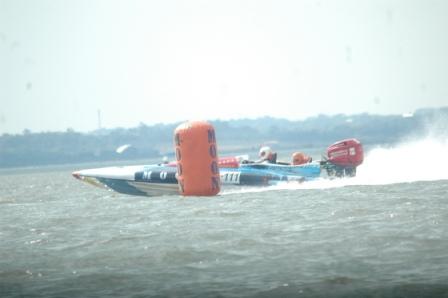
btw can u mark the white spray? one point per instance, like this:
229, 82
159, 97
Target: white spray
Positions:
421, 160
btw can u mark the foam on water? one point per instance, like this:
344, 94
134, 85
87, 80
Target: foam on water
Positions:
419, 160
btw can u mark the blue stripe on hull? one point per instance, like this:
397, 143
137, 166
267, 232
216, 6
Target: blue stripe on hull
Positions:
121, 186
156, 180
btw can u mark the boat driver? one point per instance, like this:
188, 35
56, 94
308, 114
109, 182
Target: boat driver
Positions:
267, 155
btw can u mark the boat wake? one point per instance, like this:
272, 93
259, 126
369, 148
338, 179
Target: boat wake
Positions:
421, 160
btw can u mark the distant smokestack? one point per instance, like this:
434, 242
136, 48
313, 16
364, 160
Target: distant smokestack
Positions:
99, 119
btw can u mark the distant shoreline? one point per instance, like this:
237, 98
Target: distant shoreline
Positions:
234, 136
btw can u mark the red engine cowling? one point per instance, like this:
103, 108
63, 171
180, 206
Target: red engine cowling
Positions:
346, 153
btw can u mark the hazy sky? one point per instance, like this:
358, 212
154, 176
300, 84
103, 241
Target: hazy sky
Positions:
166, 61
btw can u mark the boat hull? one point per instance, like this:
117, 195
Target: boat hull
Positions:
157, 180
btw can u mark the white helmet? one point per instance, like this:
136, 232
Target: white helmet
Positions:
265, 152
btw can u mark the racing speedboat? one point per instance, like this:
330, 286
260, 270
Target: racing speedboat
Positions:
163, 179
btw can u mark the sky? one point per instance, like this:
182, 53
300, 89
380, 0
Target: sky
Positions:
63, 63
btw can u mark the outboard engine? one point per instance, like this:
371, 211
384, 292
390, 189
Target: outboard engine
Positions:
343, 157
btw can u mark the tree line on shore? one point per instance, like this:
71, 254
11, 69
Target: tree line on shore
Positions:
46, 148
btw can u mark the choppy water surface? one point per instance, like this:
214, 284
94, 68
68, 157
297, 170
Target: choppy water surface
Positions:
345, 238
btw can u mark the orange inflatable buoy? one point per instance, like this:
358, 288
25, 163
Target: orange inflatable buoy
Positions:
299, 158
197, 159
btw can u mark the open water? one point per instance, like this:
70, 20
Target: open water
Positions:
381, 234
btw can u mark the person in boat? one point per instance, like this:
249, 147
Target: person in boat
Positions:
266, 155
299, 158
